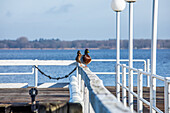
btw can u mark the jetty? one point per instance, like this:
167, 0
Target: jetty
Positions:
85, 92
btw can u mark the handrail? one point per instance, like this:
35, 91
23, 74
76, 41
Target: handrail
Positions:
56, 63
145, 73
25, 73
96, 97
140, 88
35, 62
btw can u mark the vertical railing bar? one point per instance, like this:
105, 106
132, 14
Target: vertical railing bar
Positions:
139, 91
167, 96
80, 83
124, 98
152, 93
145, 65
148, 70
168, 105
77, 72
36, 75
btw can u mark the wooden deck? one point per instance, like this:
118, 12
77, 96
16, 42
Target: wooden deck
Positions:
58, 97
146, 95
17, 97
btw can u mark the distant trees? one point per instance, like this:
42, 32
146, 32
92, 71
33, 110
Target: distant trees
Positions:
23, 42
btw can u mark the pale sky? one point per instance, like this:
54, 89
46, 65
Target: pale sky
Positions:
78, 19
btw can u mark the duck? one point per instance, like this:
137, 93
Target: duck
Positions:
78, 57
85, 59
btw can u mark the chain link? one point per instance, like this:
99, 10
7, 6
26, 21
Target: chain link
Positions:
54, 77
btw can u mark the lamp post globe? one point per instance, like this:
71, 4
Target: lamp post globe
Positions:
118, 5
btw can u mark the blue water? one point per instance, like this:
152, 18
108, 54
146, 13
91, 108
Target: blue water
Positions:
163, 63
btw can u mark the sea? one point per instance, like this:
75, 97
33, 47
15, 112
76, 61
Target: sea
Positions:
162, 64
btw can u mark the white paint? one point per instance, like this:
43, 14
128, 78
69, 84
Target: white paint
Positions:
124, 98
13, 85
36, 62
140, 91
167, 96
101, 99
36, 76
153, 55
75, 96
53, 85
117, 55
131, 54
148, 70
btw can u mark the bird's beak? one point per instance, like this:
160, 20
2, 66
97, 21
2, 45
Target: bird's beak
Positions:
88, 51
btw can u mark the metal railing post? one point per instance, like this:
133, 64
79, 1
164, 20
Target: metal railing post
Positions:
148, 70
118, 55
36, 76
77, 71
124, 98
77, 75
131, 54
167, 96
130, 85
153, 54
140, 91
152, 93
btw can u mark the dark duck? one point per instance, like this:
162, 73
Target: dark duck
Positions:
78, 57
85, 59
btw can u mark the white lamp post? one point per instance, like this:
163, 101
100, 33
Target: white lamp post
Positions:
130, 51
153, 55
118, 6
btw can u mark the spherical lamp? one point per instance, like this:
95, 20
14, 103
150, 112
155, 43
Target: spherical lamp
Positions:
118, 5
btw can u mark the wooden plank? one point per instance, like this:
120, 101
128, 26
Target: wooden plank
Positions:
146, 95
15, 96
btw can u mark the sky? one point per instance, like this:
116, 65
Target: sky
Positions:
78, 19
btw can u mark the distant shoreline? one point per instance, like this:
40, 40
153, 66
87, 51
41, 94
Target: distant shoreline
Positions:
65, 48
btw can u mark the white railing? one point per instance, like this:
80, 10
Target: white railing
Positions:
34, 63
95, 97
84, 78
61, 63
146, 67
139, 94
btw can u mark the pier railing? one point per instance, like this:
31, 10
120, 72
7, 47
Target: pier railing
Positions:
92, 94
139, 94
37, 63
34, 63
88, 89
145, 63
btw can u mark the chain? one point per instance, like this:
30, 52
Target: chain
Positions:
54, 77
